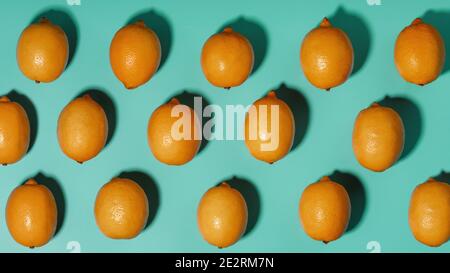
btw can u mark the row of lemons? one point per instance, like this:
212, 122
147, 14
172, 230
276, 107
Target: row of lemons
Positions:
121, 207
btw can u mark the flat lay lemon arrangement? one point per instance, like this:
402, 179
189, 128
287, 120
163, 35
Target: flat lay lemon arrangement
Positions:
122, 207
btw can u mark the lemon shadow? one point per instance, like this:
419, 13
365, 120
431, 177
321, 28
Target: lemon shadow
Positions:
444, 176
30, 109
148, 184
256, 33
108, 105
441, 21
252, 199
187, 98
161, 26
64, 19
55, 187
300, 110
357, 194
358, 31
412, 121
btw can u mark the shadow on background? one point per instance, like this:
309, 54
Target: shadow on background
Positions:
255, 33
358, 31
187, 98
151, 191
441, 21
412, 121
67, 23
444, 176
300, 109
30, 109
252, 198
108, 106
357, 194
161, 26
58, 194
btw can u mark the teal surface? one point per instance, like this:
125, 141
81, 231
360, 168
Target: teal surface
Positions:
380, 200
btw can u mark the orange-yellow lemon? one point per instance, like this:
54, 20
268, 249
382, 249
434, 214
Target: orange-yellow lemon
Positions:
227, 59
269, 129
14, 131
173, 133
222, 215
325, 210
419, 53
31, 214
378, 137
121, 209
82, 129
326, 56
135, 54
42, 51
429, 213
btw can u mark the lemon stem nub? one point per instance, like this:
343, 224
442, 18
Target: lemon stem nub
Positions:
325, 178
417, 21
174, 101
140, 22
4, 99
325, 22
44, 20
31, 182
87, 96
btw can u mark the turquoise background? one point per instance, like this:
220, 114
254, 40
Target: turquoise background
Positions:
380, 200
